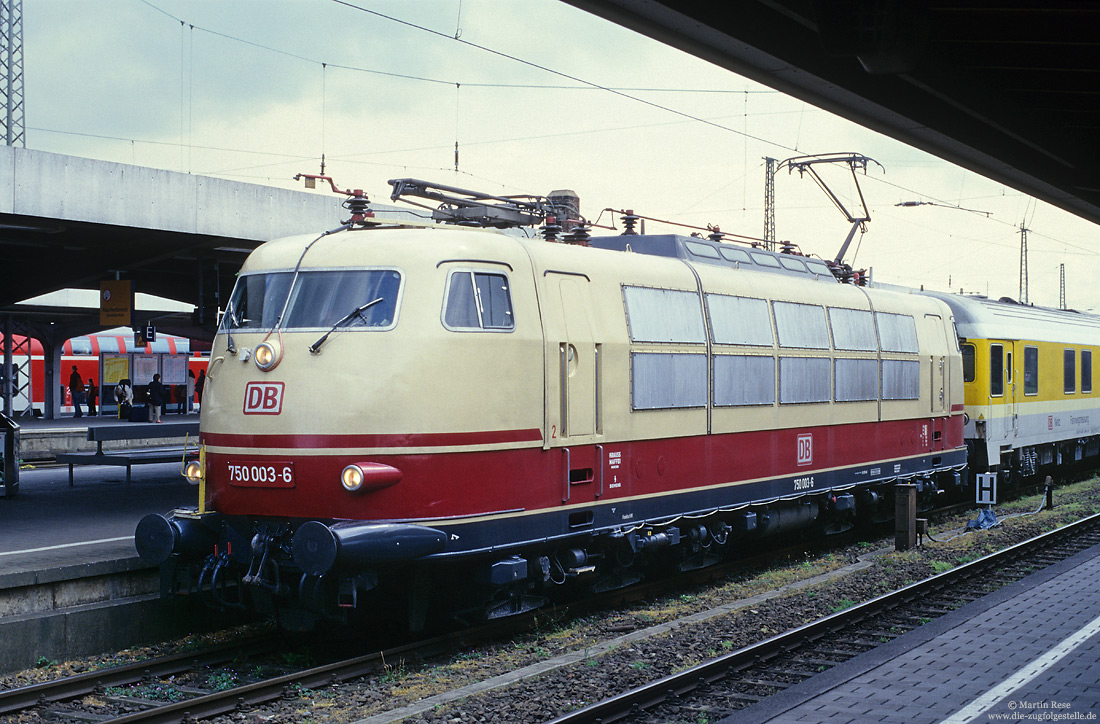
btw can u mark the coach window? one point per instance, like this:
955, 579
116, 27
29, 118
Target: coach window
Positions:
662, 381
702, 250
1031, 370
1069, 368
793, 264
1086, 371
805, 379
857, 379
968, 362
478, 300
900, 379
764, 259
996, 370
801, 325
739, 320
744, 380
738, 255
853, 329
897, 332
664, 315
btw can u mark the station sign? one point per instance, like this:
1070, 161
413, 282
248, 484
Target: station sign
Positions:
116, 302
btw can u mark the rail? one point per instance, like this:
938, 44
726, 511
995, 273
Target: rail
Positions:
623, 705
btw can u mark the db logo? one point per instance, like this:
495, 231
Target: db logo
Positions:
263, 398
805, 449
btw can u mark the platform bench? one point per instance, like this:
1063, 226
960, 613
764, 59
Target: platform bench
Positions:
129, 458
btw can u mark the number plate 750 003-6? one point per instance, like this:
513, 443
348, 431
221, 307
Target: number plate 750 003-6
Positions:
268, 474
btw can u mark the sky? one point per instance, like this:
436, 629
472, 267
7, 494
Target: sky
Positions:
539, 96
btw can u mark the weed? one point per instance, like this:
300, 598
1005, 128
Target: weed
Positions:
842, 604
221, 681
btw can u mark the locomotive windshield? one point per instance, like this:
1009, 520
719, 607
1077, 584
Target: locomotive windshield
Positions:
318, 300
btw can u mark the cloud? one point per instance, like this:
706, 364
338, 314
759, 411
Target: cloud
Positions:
242, 94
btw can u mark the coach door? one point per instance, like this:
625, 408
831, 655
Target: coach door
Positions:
573, 371
1013, 356
569, 338
939, 374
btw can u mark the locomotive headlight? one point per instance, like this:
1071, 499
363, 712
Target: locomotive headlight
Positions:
352, 478
267, 355
193, 472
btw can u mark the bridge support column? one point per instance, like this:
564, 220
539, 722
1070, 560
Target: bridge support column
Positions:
7, 373
51, 352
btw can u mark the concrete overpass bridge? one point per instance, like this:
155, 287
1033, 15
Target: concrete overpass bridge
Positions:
69, 222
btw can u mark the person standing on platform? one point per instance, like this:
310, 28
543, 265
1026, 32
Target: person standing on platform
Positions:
190, 390
158, 396
199, 384
93, 397
124, 396
76, 391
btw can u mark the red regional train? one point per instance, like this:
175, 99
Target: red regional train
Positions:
452, 419
84, 352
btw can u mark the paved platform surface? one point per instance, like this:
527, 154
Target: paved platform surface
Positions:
49, 525
1029, 652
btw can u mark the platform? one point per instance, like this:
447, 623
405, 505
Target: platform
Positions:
71, 582
41, 440
1028, 652
49, 524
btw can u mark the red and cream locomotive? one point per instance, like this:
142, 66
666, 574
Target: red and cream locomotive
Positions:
440, 415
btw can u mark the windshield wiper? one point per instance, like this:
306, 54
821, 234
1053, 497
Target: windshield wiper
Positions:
357, 312
229, 330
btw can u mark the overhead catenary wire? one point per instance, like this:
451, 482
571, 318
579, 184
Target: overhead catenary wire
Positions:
580, 83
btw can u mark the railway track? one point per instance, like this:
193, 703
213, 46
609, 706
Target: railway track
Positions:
164, 689
748, 675
192, 686
134, 693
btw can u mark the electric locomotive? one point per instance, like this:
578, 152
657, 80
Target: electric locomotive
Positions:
437, 416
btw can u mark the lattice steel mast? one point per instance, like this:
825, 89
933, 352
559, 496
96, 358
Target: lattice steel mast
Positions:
11, 63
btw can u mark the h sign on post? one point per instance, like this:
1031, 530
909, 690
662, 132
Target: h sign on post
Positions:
986, 488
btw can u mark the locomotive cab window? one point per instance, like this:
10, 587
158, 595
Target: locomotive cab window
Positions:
968, 362
257, 301
996, 370
478, 301
1069, 368
1031, 370
351, 298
